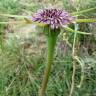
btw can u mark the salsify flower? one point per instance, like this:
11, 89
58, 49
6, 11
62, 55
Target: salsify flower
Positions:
53, 17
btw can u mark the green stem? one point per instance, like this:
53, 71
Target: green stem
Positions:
86, 20
51, 42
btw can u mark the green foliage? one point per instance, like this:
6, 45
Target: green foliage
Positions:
10, 6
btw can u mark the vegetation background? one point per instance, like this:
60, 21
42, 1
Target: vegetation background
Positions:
23, 52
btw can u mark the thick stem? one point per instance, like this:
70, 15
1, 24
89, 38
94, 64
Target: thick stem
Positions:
51, 42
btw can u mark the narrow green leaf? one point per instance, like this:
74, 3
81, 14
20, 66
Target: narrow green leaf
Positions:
14, 22
86, 20
25, 21
36, 23
79, 32
16, 16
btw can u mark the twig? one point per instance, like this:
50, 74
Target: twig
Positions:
73, 79
74, 66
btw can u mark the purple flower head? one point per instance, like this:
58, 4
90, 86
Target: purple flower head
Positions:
53, 17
